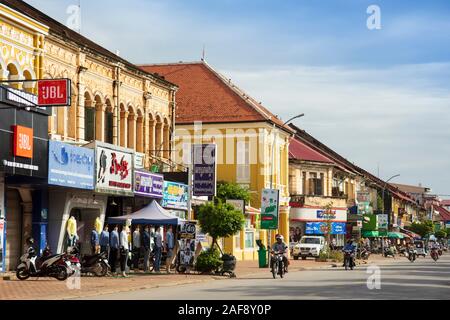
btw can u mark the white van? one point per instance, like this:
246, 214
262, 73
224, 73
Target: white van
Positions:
308, 246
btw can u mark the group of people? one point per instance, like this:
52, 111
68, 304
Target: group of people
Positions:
119, 245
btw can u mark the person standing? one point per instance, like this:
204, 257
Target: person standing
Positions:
94, 241
114, 244
147, 247
158, 249
104, 241
136, 247
124, 249
170, 243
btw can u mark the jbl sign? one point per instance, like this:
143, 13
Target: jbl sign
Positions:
23, 142
54, 92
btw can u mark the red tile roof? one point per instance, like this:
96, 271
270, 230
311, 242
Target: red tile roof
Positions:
444, 213
300, 151
445, 202
207, 96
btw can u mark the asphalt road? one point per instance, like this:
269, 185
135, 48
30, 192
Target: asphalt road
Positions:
399, 279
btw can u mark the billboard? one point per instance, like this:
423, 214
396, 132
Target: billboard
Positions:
204, 169
270, 208
70, 166
321, 228
175, 195
148, 184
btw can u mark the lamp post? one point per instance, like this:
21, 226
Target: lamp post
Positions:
384, 209
272, 158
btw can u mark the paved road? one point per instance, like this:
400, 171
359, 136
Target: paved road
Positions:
400, 279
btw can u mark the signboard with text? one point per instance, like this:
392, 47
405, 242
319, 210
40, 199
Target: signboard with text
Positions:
70, 166
54, 92
321, 228
204, 169
270, 208
382, 221
148, 184
175, 195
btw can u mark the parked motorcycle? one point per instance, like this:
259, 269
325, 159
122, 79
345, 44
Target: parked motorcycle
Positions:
388, 252
434, 254
365, 253
96, 264
277, 264
46, 266
411, 254
349, 259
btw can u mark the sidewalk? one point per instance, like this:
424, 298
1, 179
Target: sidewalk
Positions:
48, 289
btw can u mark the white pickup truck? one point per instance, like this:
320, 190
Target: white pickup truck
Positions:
308, 246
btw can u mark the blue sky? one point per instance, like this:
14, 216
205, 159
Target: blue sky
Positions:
375, 96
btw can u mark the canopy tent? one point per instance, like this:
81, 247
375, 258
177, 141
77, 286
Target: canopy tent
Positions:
396, 235
410, 234
369, 234
152, 214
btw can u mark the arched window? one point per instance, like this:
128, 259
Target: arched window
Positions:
109, 122
139, 131
131, 128
28, 86
13, 74
89, 118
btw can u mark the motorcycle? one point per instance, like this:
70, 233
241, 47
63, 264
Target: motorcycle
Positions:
411, 254
349, 259
434, 254
388, 252
46, 266
277, 264
365, 253
439, 251
96, 264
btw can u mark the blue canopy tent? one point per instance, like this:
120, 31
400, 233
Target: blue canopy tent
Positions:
152, 214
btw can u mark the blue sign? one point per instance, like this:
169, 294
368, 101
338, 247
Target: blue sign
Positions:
70, 166
175, 195
320, 228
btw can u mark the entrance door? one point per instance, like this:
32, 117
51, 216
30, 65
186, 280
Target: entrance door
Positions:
85, 224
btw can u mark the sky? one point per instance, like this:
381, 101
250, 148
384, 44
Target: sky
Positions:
379, 97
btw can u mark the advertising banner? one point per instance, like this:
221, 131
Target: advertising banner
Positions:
204, 169
270, 208
322, 214
113, 170
382, 221
363, 196
148, 184
175, 195
188, 230
70, 166
321, 228
370, 222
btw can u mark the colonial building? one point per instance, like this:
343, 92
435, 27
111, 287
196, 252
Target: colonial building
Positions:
210, 108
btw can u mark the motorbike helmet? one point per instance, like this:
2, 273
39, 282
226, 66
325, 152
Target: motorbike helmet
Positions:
279, 237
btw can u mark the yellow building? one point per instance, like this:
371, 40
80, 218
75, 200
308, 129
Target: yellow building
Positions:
211, 109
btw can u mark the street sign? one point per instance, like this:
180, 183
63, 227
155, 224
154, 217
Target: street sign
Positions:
269, 208
54, 92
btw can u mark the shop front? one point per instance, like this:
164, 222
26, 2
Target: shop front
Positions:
315, 221
23, 174
71, 171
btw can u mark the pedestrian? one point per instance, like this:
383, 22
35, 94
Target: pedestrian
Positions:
158, 249
124, 249
94, 241
136, 248
333, 244
147, 247
114, 244
104, 241
169, 248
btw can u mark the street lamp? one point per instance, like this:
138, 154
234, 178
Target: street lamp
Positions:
271, 173
384, 209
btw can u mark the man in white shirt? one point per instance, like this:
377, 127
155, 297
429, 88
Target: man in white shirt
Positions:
124, 249
136, 247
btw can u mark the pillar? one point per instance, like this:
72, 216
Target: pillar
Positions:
151, 139
158, 139
139, 134
166, 141
123, 128
80, 114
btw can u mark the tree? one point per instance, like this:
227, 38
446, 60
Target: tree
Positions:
220, 220
230, 190
440, 234
423, 229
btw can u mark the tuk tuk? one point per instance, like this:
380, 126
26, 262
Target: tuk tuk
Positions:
421, 248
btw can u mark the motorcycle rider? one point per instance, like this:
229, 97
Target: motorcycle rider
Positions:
280, 246
349, 246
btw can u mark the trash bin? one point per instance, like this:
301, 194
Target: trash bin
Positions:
262, 254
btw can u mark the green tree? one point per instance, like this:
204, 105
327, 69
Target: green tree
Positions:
220, 220
230, 190
423, 229
440, 234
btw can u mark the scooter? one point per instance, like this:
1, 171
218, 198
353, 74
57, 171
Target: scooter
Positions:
434, 254
365, 253
349, 259
47, 266
388, 252
96, 264
277, 264
411, 254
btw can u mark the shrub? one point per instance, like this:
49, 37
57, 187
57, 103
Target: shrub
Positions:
208, 260
335, 256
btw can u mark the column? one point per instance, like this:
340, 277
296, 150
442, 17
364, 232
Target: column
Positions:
139, 135
159, 139
283, 228
166, 141
80, 113
115, 125
151, 139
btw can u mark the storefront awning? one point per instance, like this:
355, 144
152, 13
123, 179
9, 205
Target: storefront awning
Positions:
397, 235
369, 234
410, 234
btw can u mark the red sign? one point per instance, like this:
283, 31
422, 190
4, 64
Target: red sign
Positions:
23, 142
54, 92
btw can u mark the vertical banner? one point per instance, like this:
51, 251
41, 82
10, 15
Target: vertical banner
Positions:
270, 208
188, 231
204, 169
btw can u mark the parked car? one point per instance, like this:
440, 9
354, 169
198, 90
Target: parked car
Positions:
308, 246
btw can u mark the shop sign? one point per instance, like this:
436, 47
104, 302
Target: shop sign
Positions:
322, 228
148, 184
23, 142
204, 169
54, 92
270, 208
369, 222
363, 196
382, 221
113, 169
237, 204
323, 214
2, 236
175, 195
70, 166
188, 230
139, 160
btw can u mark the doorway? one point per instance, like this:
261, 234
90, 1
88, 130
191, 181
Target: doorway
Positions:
85, 218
